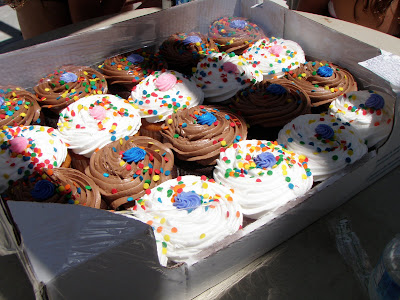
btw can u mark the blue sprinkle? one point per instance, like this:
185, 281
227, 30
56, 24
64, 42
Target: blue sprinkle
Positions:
113, 138
167, 173
78, 190
129, 199
290, 140
291, 186
106, 175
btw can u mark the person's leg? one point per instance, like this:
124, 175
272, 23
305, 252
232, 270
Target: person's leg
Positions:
39, 16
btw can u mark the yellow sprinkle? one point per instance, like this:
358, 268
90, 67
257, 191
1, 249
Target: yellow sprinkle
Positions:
47, 89
156, 178
162, 221
169, 121
51, 142
326, 87
223, 143
166, 238
204, 185
41, 128
288, 131
284, 173
202, 236
303, 74
304, 176
121, 163
61, 188
76, 202
146, 186
164, 250
332, 90
6, 176
23, 114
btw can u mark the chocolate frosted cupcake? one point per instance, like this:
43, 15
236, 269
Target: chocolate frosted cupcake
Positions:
323, 81
124, 71
197, 134
68, 84
270, 104
19, 107
234, 34
127, 169
182, 51
62, 185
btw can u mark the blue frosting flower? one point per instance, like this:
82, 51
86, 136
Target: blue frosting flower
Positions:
325, 71
135, 58
192, 39
324, 131
1, 101
275, 89
375, 101
135, 154
43, 190
265, 160
69, 77
187, 200
238, 24
207, 118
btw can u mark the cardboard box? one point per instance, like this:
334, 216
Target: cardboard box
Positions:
74, 252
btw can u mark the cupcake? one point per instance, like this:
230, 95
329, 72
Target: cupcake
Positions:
234, 34
197, 134
329, 144
182, 51
95, 121
275, 56
25, 149
128, 168
222, 75
124, 71
189, 214
19, 107
265, 174
162, 94
61, 185
270, 105
322, 81
68, 84
370, 112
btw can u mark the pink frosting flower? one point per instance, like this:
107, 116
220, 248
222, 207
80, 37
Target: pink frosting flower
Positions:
275, 50
165, 82
98, 113
18, 144
229, 67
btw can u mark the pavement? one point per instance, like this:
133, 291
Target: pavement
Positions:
9, 28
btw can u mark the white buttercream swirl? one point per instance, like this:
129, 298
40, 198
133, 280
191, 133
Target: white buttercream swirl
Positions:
156, 105
182, 233
263, 189
374, 125
85, 132
45, 149
275, 56
219, 83
325, 156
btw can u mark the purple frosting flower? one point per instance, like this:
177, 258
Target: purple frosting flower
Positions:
325, 71
206, 119
135, 58
1, 101
69, 77
192, 39
275, 89
187, 200
238, 24
324, 131
135, 154
375, 101
43, 190
265, 160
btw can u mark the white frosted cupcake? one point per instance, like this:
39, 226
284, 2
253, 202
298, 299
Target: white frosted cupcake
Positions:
275, 56
265, 174
221, 75
160, 95
189, 214
95, 121
328, 143
25, 149
370, 112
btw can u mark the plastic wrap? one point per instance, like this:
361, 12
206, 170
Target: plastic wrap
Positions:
80, 252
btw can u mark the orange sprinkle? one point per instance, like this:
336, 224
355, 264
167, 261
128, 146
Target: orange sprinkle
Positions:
174, 230
159, 229
150, 222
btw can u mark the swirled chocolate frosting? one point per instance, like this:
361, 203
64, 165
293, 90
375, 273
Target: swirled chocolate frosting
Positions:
322, 81
130, 68
197, 134
182, 51
68, 84
60, 185
234, 34
271, 103
127, 169
19, 107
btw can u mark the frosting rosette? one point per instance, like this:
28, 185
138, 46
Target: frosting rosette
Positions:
18, 107
265, 174
130, 68
164, 93
198, 133
25, 149
61, 185
128, 168
66, 85
329, 143
189, 214
275, 56
322, 81
234, 34
271, 103
221, 75
182, 51
370, 112
95, 121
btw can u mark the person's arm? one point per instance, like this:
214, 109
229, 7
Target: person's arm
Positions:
319, 7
